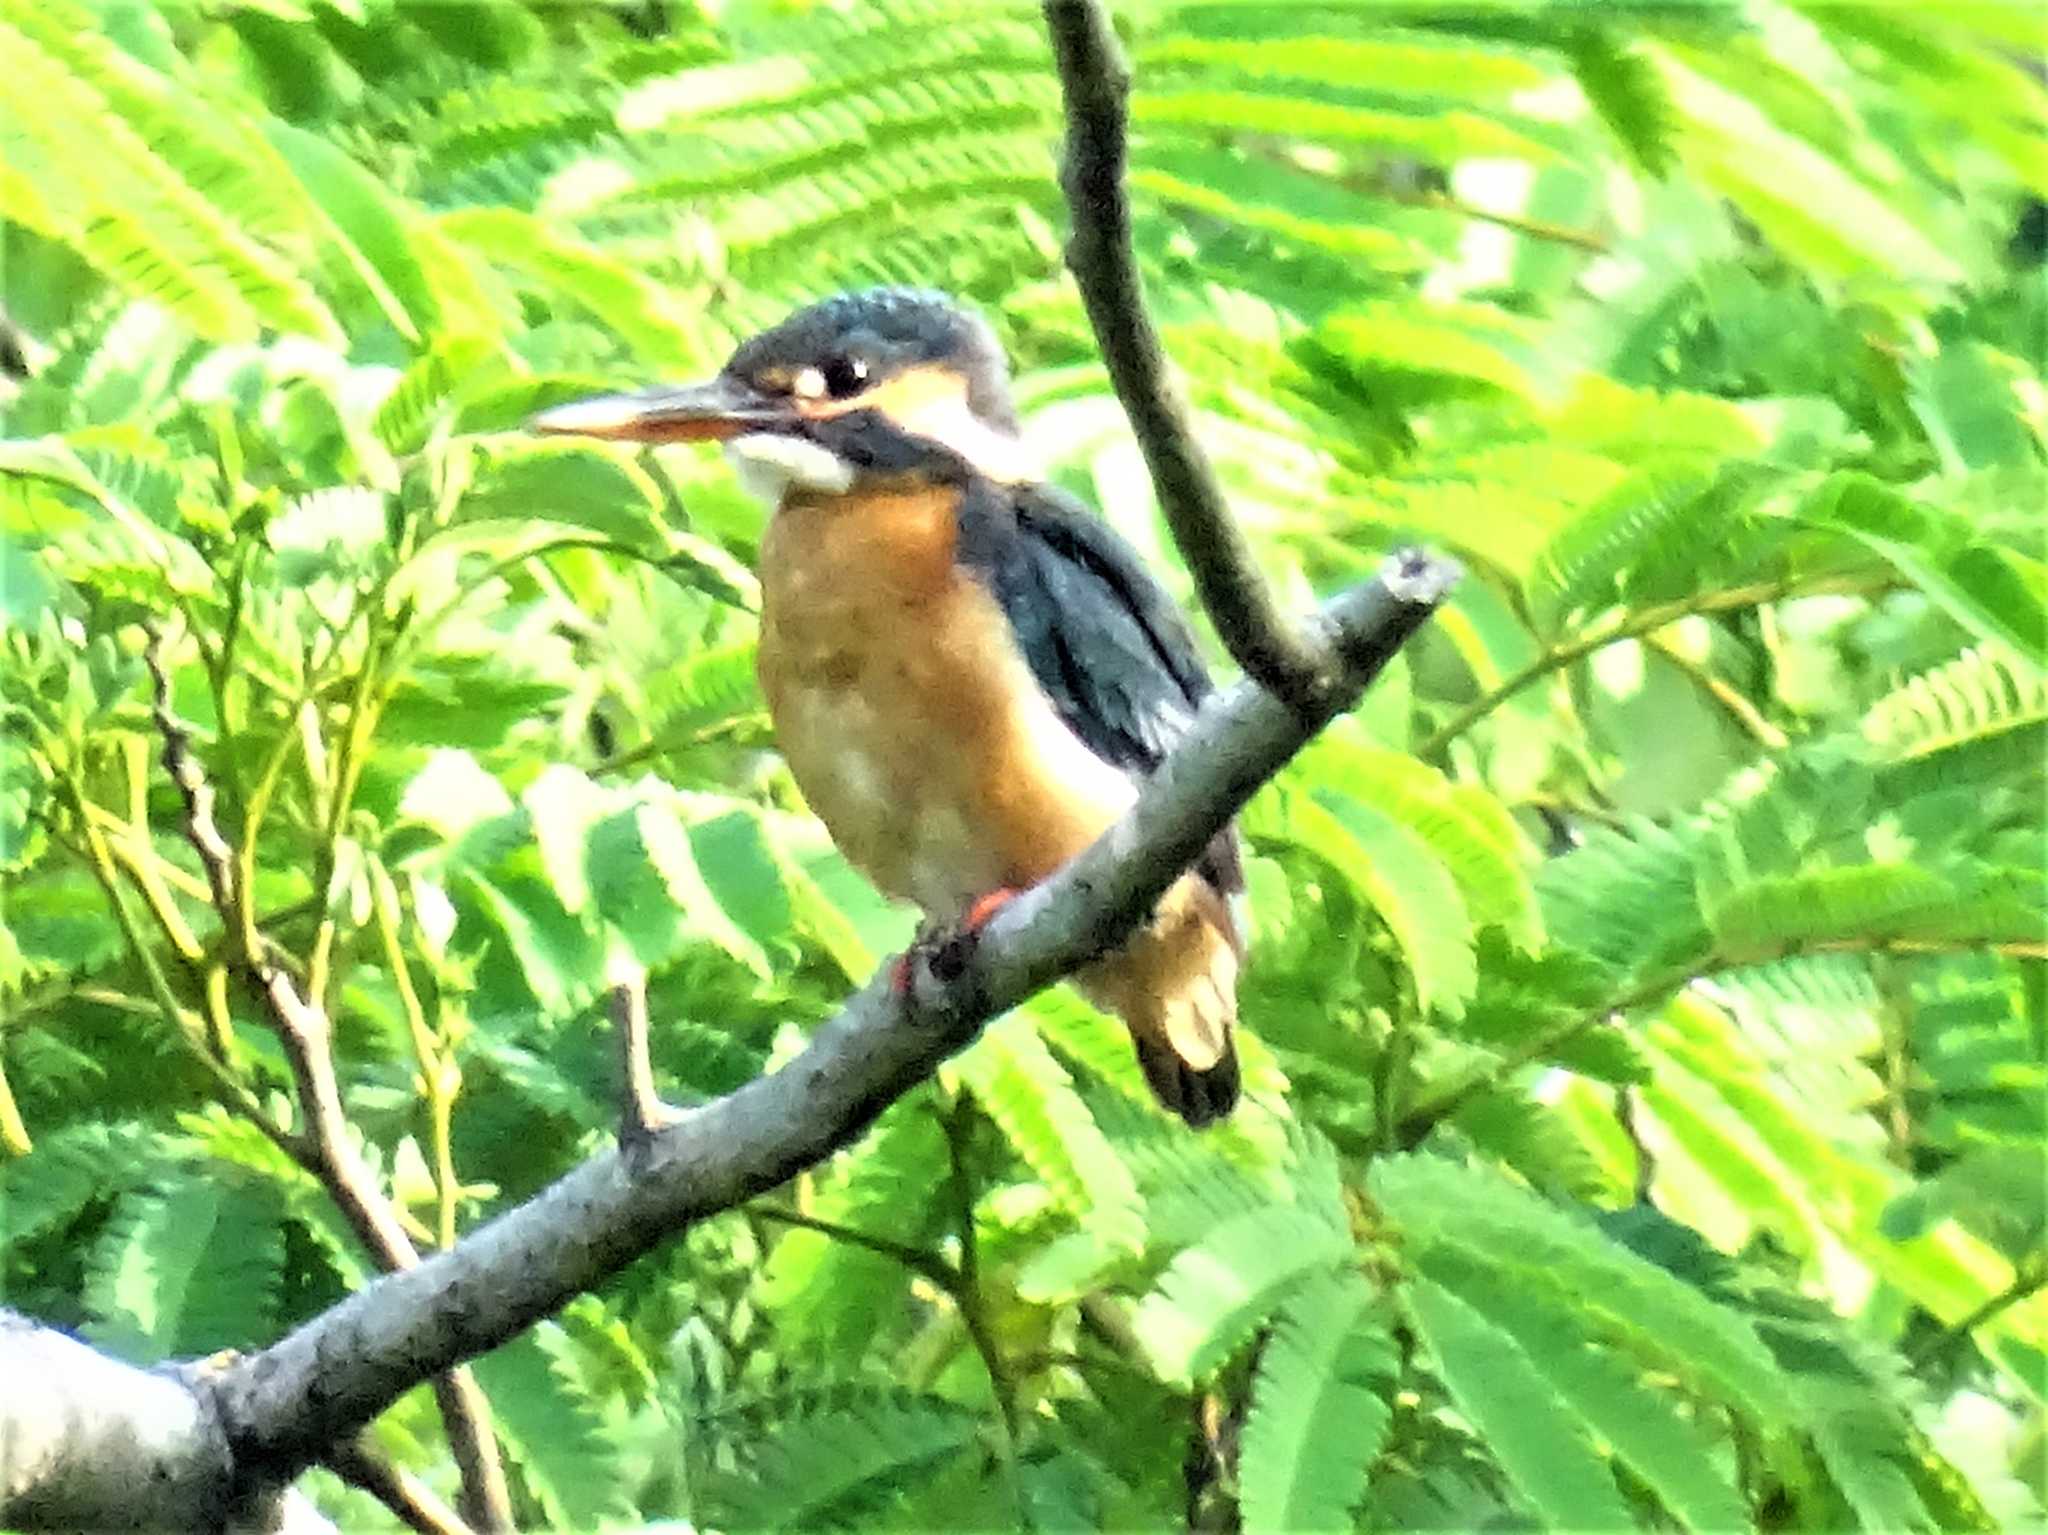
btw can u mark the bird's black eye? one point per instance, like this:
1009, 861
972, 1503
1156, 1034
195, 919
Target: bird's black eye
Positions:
845, 376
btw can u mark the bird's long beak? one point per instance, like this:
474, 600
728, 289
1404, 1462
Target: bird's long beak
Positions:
709, 412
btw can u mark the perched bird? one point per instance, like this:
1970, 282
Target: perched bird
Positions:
970, 676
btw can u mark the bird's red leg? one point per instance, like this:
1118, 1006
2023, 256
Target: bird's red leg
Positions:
985, 907
947, 949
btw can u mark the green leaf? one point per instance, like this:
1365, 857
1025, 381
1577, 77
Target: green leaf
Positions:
1395, 872
1449, 135
337, 533
233, 1296
1867, 903
621, 299
453, 794
184, 1267
1544, 1450
1622, 85
1580, 565
553, 1430
368, 228
1216, 1291
1468, 345
672, 850
828, 1297
69, 1168
1410, 61
1984, 698
124, 198
450, 368
1318, 1410
838, 1456
1637, 1425
1024, 1089
1813, 208
1997, 594
577, 485
1435, 1201
1467, 829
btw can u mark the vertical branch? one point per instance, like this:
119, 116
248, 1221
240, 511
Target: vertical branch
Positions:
967, 1295
306, 1034
440, 1078
641, 1111
1095, 85
1895, 1020
185, 1023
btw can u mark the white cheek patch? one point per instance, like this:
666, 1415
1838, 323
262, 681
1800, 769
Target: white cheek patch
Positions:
996, 455
770, 463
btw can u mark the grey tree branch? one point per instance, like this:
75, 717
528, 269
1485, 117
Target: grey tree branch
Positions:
323, 1146
1095, 85
90, 1443
282, 1408
209, 1447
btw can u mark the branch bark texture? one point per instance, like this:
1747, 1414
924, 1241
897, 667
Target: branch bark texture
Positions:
90, 1443
1095, 86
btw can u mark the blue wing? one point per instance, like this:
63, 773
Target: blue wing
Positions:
1101, 636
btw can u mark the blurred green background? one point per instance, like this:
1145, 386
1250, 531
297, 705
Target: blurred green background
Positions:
1647, 1022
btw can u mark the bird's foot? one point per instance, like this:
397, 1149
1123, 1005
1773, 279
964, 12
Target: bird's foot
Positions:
945, 947
985, 907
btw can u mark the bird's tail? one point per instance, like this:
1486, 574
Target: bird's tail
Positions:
1174, 984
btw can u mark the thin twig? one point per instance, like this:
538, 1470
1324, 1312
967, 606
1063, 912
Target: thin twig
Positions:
1521, 224
2028, 1281
917, 1259
189, 1028
967, 1294
439, 1078
414, 1504
1724, 693
739, 725
641, 1111
1276, 153
1095, 85
1419, 1121
303, 1029
1628, 1117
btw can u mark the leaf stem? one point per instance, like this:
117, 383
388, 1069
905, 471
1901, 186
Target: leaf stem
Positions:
183, 1021
439, 1082
2028, 1281
1625, 626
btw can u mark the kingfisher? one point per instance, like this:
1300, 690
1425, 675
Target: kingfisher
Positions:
970, 675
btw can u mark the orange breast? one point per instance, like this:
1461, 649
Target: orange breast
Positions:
905, 711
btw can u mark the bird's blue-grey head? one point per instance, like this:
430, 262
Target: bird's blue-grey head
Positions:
870, 383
